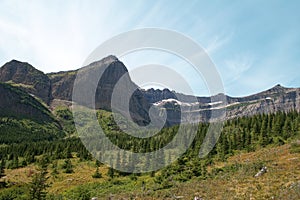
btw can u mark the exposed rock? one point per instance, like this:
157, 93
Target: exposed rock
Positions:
56, 88
62, 84
261, 172
275, 99
28, 78
112, 70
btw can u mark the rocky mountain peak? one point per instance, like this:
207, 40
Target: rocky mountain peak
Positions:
104, 61
25, 76
111, 70
11, 69
110, 58
277, 89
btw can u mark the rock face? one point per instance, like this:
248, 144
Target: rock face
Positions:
25, 76
157, 95
63, 82
275, 99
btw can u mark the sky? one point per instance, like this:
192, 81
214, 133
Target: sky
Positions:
253, 44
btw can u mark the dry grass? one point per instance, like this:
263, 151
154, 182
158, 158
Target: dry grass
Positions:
83, 172
282, 181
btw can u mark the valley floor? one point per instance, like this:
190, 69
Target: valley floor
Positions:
233, 179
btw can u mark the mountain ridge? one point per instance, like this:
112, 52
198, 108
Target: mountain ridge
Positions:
58, 87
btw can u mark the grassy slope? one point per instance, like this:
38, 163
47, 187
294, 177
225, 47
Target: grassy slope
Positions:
282, 181
283, 172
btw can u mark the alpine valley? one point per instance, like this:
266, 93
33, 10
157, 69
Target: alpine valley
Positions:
43, 158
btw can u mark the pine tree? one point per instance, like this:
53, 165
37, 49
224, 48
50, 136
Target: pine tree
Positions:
2, 167
68, 166
97, 163
2, 173
111, 172
38, 185
67, 153
97, 174
54, 169
263, 139
15, 163
287, 129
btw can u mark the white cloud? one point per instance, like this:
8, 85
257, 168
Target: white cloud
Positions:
217, 42
237, 66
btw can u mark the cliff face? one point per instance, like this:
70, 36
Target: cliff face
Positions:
28, 78
62, 85
138, 105
63, 82
275, 99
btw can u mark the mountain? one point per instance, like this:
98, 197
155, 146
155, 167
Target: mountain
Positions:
62, 87
62, 84
24, 118
56, 89
28, 78
19, 104
275, 99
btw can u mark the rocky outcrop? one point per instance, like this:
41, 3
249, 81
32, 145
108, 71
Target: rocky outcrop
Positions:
28, 78
62, 84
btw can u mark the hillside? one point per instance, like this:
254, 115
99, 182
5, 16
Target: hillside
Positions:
227, 173
24, 118
28, 78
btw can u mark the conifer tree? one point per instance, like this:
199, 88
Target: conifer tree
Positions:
68, 166
38, 185
111, 172
263, 139
97, 174
2, 167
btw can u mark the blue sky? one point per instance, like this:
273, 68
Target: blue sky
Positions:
254, 44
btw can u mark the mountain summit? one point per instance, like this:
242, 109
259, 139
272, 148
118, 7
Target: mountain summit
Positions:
27, 77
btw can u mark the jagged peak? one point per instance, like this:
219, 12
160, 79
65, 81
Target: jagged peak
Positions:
106, 60
277, 87
19, 65
111, 58
14, 62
